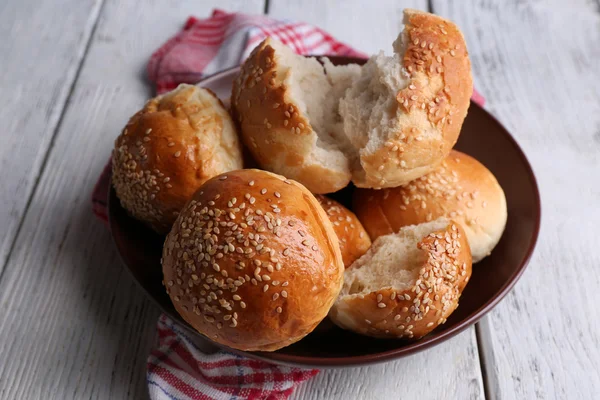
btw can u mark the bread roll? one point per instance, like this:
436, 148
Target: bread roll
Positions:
407, 284
252, 261
286, 108
380, 126
354, 240
461, 188
405, 112
168, 149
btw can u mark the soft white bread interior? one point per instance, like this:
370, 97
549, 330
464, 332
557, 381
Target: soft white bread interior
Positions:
407, 284
381, 125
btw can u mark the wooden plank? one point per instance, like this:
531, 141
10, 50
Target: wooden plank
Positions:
537, 64
367, 27
39, 62
73, 324
448, 371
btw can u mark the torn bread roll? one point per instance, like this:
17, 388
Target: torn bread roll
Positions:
407, 284
382, 125
252, 261
169, 149
461, 188
354, 240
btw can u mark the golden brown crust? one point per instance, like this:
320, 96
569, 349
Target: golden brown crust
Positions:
461, 188
168, 149
434, 103
276, 132
252, 261
354, 240
414, 312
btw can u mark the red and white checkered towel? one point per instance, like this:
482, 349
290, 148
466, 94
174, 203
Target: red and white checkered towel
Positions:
177, 368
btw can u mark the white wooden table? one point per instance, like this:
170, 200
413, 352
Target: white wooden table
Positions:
73, 325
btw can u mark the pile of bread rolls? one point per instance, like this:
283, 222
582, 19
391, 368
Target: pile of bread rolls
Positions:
255, 259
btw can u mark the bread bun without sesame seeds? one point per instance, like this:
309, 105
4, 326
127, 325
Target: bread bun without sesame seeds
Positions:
407, 284
380, 125
461, 188
354, 240
168, 149
252, 261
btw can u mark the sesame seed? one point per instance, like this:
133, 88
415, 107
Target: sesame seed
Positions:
275, 296
279, 310
265, 288
381, 305
284, 294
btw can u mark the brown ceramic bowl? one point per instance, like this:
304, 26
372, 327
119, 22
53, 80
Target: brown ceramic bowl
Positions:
329, 346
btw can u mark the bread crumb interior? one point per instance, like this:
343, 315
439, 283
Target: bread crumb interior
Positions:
393, 261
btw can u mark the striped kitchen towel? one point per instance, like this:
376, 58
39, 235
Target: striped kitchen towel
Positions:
224, 40
178, 368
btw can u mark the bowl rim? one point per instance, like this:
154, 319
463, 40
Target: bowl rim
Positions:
388, 355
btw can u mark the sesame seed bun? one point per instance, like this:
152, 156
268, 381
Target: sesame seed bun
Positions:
407, 284
354, 240
461, 188
417, 101
252, 261
168, 149
380, 125
284, 104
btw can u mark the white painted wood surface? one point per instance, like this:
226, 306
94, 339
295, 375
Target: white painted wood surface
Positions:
73, 325
72, 322
538, 64
38, 64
